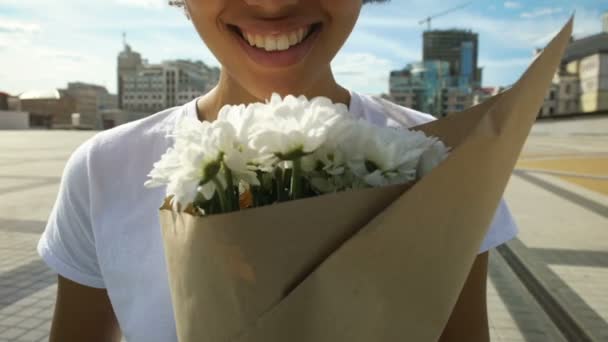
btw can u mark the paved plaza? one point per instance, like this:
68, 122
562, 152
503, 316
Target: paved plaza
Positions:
550, 284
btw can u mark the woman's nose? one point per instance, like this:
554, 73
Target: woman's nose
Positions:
271, 4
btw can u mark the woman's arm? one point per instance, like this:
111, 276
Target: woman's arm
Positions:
469, 320
83, 314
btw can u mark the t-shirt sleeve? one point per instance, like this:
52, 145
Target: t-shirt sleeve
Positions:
68, 243
502, 228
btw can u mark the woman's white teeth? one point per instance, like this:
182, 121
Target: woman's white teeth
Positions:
293, 38
280, 42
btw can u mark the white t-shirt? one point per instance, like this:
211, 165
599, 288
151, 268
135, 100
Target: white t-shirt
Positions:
104, 231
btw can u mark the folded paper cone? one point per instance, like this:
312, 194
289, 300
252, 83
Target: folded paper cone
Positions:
382, 264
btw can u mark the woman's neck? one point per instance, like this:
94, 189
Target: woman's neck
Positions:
230, 92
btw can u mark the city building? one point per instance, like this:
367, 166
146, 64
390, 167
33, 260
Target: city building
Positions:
418, 85
149, 88
549, 107
128, 63
89, 100
480, 95
445, 80
107, 101
581, 84
77, 106
10, 119
4, 100
460, 48
428, 87
455, 99
48, 108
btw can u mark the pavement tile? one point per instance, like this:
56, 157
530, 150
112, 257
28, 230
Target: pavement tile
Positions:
12, 321
30, 323
32, 336
30, 311
13, 333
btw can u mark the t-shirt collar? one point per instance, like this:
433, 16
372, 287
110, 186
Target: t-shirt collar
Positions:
355, 106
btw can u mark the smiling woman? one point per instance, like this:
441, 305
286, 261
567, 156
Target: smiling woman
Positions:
103, 236
273, 46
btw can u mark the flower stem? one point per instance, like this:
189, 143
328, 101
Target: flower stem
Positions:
231, 199
259, 193
222, 193
296, 179
278, 173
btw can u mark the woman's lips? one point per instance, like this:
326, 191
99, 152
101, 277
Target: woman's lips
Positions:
277, 49
276, 42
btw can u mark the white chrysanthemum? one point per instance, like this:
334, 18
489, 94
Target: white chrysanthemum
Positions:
292, 127
164, 169
240, 158
432, 157
317, 140
332, 156
241, 117
191, 159
327, 169
386, 156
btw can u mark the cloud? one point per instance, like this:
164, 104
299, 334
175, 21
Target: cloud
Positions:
154, 4
512, 4
504, 62
8, 25
52, 68
542, 12
521, 33
377, 21
363, 72
380, 43
63, 55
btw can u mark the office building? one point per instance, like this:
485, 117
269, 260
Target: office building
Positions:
483, 94
149, 88
89, 100
418, 85
429, 87
460, 48
48, 108
581, 84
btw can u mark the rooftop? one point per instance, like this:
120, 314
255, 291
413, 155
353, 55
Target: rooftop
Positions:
587, 46
40, 94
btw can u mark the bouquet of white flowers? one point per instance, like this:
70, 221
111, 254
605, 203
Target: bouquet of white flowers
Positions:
336, 245
286, 149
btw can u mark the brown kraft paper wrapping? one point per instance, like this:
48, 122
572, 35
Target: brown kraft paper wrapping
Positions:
381, 264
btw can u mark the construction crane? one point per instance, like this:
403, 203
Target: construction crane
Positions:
429, 19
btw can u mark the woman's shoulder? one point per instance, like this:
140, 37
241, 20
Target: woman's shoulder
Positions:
133, 143
150, 127
383, 112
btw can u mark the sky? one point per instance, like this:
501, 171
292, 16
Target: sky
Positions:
45, 44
